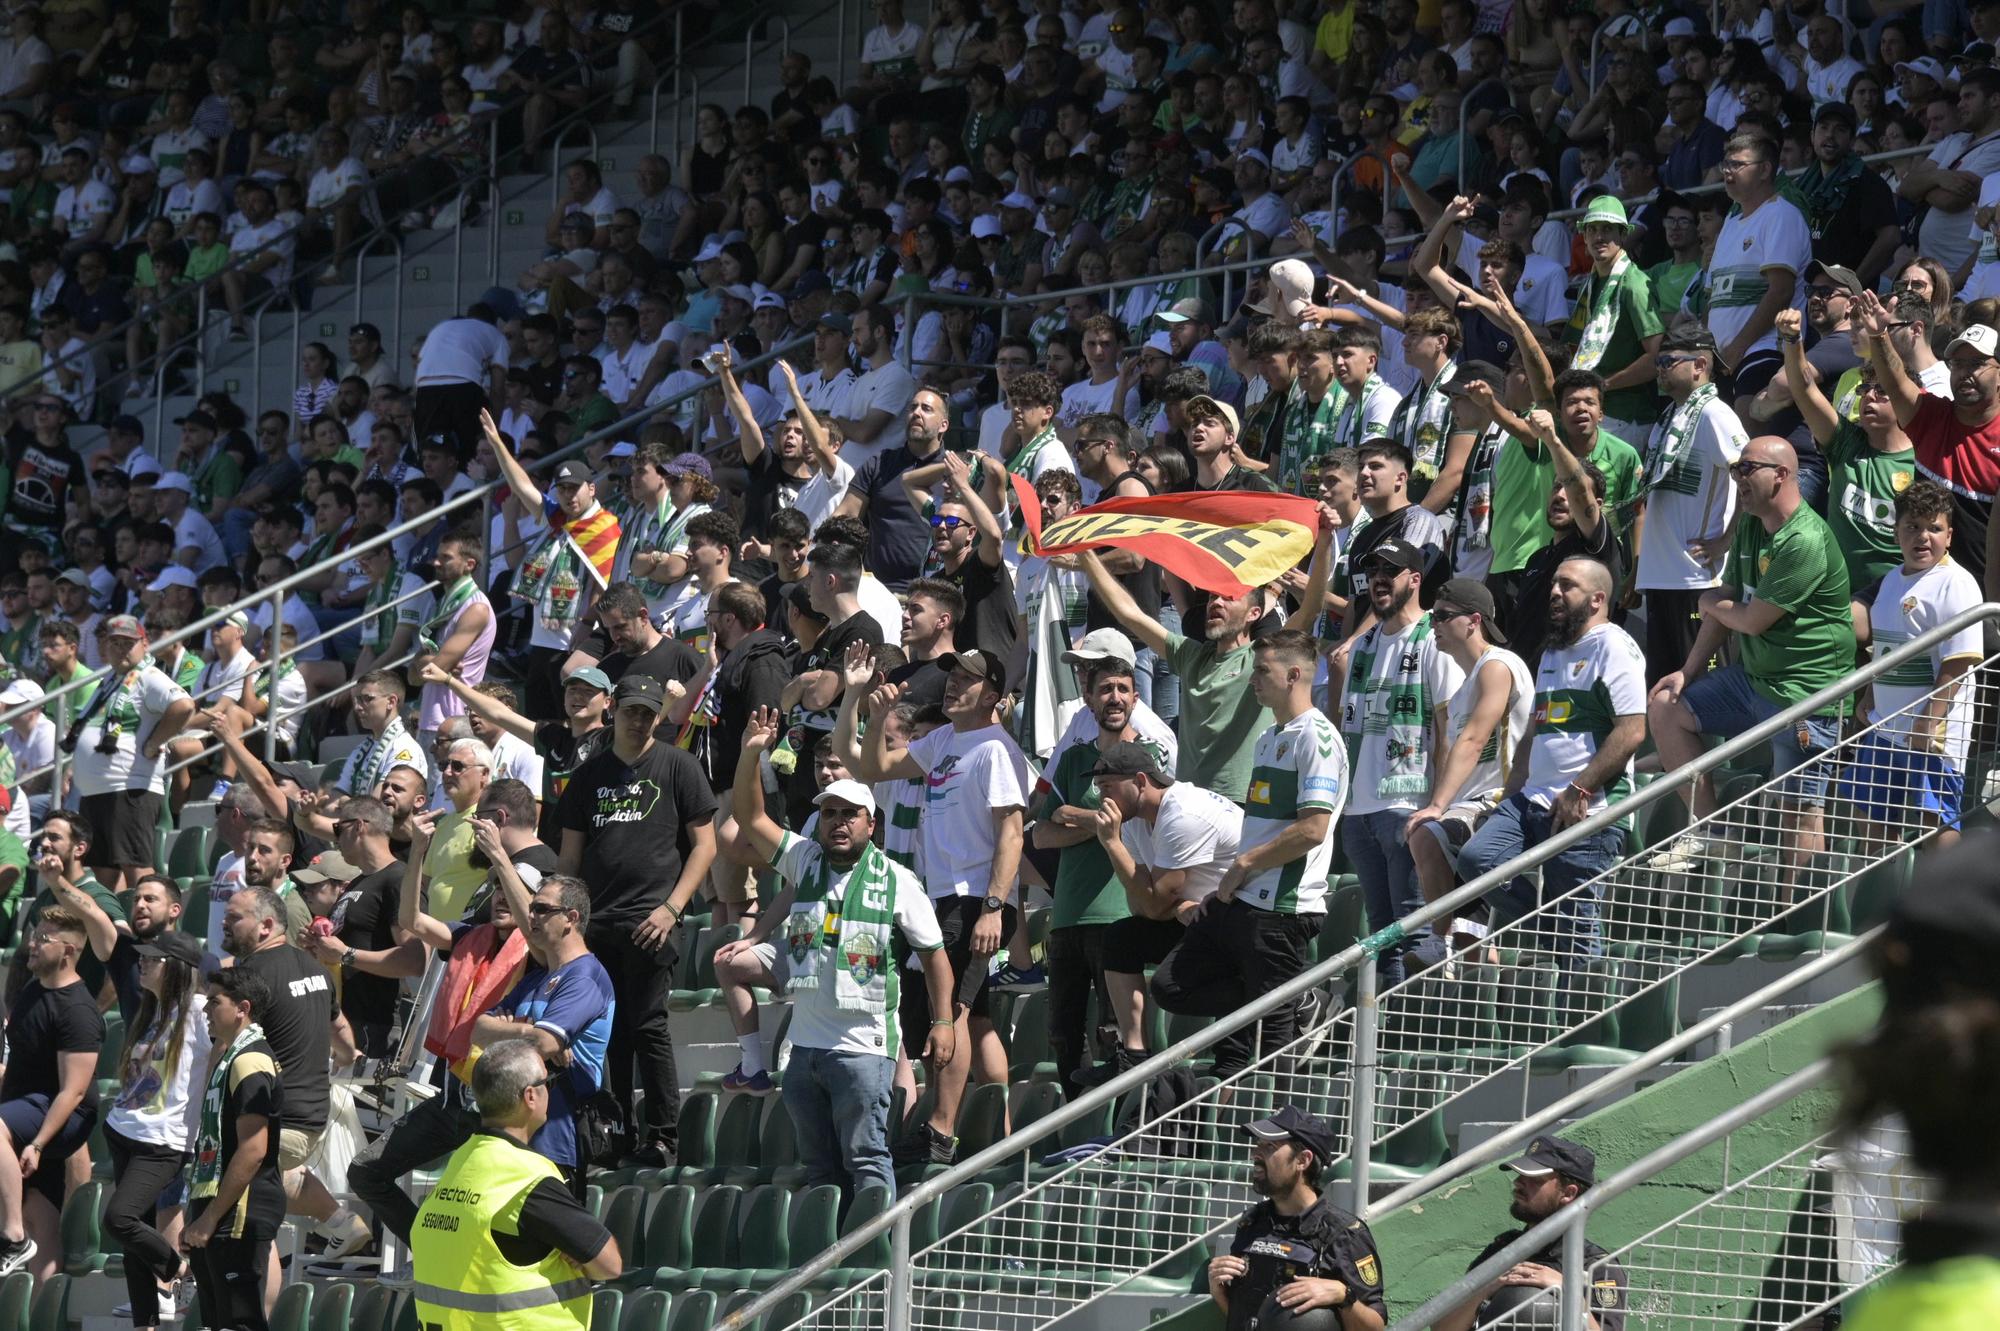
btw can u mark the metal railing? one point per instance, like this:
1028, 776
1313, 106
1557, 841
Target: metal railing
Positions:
1772, 1248
1167, 1171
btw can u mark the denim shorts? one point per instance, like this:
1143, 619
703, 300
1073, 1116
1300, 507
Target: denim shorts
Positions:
1886, 781
1725, 704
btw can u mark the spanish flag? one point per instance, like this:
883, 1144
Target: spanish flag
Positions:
1222, 541
595, 536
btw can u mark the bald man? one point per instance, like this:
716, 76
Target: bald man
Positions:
1590, 718
1783, 600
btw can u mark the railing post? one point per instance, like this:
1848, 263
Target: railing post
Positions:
896, 1315
1576, 1275
200, 351
61, 764
909, 331
1361, 1081
271, 691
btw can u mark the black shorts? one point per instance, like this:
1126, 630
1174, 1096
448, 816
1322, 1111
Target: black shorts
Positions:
956, 917
122, 827
24, 1118
1134, 943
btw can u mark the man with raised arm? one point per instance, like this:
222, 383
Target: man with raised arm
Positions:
842, 902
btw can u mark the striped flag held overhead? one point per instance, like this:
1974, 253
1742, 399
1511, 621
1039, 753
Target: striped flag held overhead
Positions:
595, 536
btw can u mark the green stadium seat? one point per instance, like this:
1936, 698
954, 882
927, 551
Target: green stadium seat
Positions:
607, 1305
188, 854
763, 1240
1029, 1101
82, 1234
696, 1130
374, 1307
693, 1311
714, 1240
332, 1307
624, 1215
736, 1133
293, 1310
982, 1118
811, 1227
645, 1310
17, 1296
50, 1309
1028, 1054
699, 987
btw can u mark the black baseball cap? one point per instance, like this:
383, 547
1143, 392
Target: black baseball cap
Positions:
640, 691
128, 425
987, 665
574, 473
1557, 1155
1475, 372
1397, 553
1840, 111
1689, 335
196, 418
800, 599
1293, 1124
1462, 595
1127, 758
172, 945
303, 775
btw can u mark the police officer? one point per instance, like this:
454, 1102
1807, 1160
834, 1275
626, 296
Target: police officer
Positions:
1554, 1172
1295, 1252
501, 1244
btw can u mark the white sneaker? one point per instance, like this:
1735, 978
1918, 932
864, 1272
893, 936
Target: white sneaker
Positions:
346, 1234
1681, 854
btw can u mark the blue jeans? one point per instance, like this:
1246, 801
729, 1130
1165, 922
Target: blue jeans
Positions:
1162, 689
1567, 928
839, 1104
236, 525
1375, 847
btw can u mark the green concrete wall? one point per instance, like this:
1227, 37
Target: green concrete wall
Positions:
1426, 1245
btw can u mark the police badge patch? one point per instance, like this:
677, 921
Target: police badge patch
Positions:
1605, 1294
1369, 1270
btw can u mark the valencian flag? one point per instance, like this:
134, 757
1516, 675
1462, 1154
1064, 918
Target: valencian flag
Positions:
1222, 541
595, 536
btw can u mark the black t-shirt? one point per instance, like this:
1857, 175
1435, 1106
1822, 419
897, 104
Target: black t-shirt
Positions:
562, 753
365, 917
122, 69
254, 1087
664, 660
826, 654
299, 1027
768, 490
44, 1024
923, 682
1142, 584
1606, 1300
1320, 1242
40, 481
898, 534
988, 624
1528, 625
1369, 539
776, 617
1845, 237
634, 819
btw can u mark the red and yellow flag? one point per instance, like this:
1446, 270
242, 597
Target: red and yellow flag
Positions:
595, 536
1223, 541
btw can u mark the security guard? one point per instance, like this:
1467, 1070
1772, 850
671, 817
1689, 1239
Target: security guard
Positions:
1554, 1172
1296, 1252
501, 1243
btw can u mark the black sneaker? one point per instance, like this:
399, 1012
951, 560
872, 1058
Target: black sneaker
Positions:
1124, 1060
923, 1145
652, 1155
14, 1256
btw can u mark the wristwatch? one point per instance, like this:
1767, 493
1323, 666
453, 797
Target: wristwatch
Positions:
1349, 1299
995, 903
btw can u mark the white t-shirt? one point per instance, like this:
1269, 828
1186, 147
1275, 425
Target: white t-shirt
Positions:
274, 235
892, 55
461, 351
880, 604
1580, 692
227, 881
80, 206
192, 529
133, 706
888, 387
330, 182
1944, 234
1196, 830
515, 757
1697, 501
223, 679
187, 198
1368, 712
1496, 760
1084, 398
1828, 83
827, 393
300, 616
818, 497
968, 776
816, 1022
599, 208
1542, 294
1298, 767
1775, 236
290, 702
1905, 607
153, 1103
1376, 408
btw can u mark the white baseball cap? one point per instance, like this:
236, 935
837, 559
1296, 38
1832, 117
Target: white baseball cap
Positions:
174, 480
848, 791
1162, 343
173, 575
20, 691
1288, 288
984, 226
1982, 338
1101, 645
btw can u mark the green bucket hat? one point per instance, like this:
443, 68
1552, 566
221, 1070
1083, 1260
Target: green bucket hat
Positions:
1607, 209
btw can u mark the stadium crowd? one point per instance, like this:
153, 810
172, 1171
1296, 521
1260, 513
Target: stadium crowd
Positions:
1612, 327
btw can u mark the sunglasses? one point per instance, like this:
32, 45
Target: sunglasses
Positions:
541, 910
455, 765
1667, 360
947, 521
1745, 469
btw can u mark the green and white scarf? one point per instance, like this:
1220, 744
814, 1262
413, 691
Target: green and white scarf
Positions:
1305, 432
1396, 707
1474, 524
447, 609
378, 621
673, 540
549, 582
1022, 464
1604, 306
850, 931
1419, 424
373, 764
643, 529
286, 667
208, 1161
1666, 463
1826, 191
1348, 432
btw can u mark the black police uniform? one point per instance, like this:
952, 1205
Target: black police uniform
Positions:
1607, 1299
1321, 1241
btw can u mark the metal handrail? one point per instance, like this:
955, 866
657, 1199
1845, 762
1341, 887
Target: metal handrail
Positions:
681, 103
1569, 1223
556, 156
1359, 957
478, 495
